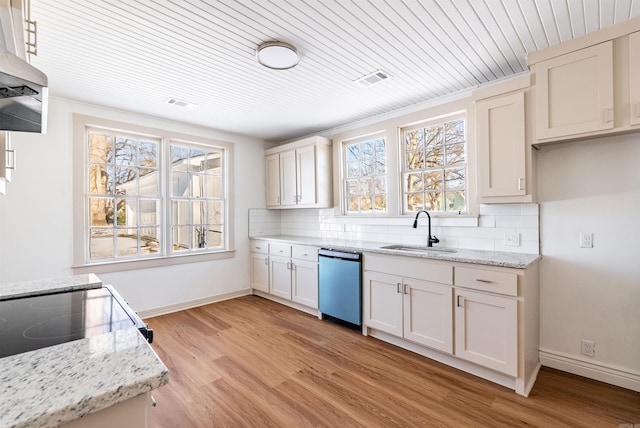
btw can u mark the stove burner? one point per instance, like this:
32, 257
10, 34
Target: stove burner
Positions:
36, 322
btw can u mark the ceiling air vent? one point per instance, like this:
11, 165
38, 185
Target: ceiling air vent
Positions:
179, 103
373, 78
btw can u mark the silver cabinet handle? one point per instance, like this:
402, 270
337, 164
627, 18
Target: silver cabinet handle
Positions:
521, 184
460, 302
266, 261
398, 285
485, 281
288, 265
406, 287
293, 266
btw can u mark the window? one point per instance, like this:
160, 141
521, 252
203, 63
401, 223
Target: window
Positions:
147, 195
434, 171
365, 176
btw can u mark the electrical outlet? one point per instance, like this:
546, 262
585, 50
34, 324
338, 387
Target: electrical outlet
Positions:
586, 240
512, 239
588, 348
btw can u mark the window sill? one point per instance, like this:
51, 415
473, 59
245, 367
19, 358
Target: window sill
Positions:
124, 265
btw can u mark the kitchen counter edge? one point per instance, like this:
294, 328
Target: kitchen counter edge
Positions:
462, 255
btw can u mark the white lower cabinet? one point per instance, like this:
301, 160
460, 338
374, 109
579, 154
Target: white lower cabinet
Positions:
291, 271
411, 308
260, 266
487, 330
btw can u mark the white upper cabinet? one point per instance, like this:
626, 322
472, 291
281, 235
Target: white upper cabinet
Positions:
298, 175
504, 136
634, 78
574, 92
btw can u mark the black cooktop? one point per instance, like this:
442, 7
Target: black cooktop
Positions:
31, 323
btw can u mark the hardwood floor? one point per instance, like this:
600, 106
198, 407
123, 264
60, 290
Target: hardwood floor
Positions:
250, 362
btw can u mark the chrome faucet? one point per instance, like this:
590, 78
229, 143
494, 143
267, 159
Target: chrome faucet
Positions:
430, 239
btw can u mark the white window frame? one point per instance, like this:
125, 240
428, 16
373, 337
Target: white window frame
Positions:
403, 172
81, 260
343, 181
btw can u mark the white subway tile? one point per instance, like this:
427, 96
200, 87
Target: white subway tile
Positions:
521, 221
500, 209
487, 221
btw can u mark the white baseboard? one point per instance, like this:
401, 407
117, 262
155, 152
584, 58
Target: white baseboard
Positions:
192, 304
595, 370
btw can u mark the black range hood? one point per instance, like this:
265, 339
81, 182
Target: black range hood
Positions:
23, 95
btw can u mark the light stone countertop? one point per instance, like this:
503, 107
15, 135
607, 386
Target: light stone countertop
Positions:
51, 386
481, 257
13, 290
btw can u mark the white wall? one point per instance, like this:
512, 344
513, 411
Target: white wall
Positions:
591, 186
36, 214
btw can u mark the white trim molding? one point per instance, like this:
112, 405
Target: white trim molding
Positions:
596, 370
192, 304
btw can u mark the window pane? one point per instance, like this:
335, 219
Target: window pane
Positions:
365, 204
148, 182
199, 212
454, 131
353, 205
126, 151
380, 166
414, 201
214, 163
414, 160
180, 213
366, 186
434, 157
380, 148
196, 186
127, 242
456, 201
353, 169
101, 211
352, 187
366, 168
414, 140
100, 148
433, 201
433, 180
149, 240
101, 244
213, 185
178, 155
214, 236
98, 179
353, 152
148, 154
199, 237
179, 183
126, 181
127, 212
455, 154
454, 178
149, 212
433, 136
380, 203
413, 182
366, 149
215, 212
181, 238
196, 152
380, 185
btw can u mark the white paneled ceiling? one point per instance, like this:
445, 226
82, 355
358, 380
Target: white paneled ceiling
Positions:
136, 54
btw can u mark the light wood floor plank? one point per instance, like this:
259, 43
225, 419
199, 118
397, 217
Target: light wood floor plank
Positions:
250, 362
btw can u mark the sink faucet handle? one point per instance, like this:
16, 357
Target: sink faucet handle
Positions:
434, 239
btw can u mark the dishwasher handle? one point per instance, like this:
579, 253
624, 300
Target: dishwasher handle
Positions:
337, 254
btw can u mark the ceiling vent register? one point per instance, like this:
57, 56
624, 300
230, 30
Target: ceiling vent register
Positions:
373, 78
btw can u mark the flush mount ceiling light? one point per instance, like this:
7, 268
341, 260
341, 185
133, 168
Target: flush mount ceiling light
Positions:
277, 55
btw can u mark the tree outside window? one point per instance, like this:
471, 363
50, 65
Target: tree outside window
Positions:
365, 183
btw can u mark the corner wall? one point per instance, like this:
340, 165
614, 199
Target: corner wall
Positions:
36, 215
591, 293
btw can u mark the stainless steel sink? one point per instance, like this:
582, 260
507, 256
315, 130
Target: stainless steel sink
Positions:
417, 248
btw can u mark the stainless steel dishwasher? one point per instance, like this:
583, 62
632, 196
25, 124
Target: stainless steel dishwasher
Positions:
340, 285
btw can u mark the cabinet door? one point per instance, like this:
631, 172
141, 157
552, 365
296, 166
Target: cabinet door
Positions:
428, 314
306, 164
260, 272
486, 330
288, 186
501, 144
574, 92
305, 283
634, 78
383, 302
272, 166
280, 277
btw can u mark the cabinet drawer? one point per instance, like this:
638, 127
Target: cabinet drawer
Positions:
411, 267
487, 280
259, 247
280, 249
304, 252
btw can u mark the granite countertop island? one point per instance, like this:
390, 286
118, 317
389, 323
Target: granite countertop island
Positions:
461, 255
58, 384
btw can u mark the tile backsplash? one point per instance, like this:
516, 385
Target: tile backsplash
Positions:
488, 231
